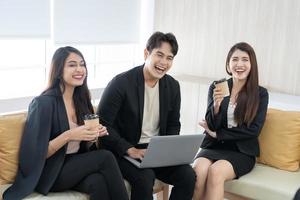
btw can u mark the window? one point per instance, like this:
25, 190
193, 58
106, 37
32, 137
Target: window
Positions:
25, 64
32, 34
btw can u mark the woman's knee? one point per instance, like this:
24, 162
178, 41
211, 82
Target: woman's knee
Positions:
215, 175
95, 179
105, 157
93, 183
201, 167
221, 171
201, 171
201, 176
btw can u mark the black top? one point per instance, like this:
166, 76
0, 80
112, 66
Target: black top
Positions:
47, 118
246, 138
122, 105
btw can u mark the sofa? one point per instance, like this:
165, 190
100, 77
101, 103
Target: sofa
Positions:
276, 175
11, 129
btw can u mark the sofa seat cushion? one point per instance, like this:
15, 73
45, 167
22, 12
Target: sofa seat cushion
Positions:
70, 195
73, 195
265, 182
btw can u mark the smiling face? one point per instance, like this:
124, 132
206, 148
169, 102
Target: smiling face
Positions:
158, 62
239, 65
74, 72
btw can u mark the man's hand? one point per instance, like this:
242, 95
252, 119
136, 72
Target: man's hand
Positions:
136, 153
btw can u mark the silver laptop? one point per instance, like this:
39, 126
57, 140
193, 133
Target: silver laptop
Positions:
169, 151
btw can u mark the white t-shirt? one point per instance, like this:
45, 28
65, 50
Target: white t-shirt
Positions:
150, 126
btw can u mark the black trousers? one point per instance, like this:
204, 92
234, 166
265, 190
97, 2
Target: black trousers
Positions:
95, 173
297, 195
182, 177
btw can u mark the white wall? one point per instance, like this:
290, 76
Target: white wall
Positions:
206, 29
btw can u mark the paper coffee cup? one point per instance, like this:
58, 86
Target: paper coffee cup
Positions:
223, 85
91, 120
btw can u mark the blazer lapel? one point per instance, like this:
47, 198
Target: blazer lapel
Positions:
163, 100
225, 102
59, 111
62, 115
141, 91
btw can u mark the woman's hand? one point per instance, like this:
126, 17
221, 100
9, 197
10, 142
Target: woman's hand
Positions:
203, 124
82, 133
102, 130
218, 97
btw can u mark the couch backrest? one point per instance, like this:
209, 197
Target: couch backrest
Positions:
11, 129
284, 101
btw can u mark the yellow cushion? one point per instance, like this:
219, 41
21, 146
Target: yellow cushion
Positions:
11, 129
280, 140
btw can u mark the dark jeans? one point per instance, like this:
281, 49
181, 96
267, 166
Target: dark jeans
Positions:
182, 177
95, 173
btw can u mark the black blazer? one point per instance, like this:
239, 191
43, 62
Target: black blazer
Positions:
122, 105
47, 118
246, 138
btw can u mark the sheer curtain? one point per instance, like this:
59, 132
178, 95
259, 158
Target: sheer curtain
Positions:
206, 29
25, 19
96, 21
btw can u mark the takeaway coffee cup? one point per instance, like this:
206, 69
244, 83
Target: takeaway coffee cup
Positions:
222, 84
91, 120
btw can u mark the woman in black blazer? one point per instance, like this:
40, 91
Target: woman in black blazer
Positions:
54, 152
232, 125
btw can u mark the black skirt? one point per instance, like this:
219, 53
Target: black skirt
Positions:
241, 163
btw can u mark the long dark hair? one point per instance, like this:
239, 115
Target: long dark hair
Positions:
81, 96
248, 96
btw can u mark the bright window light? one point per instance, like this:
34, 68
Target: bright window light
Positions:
25, 64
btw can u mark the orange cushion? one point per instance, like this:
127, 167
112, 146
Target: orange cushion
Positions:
280, 140
11, 129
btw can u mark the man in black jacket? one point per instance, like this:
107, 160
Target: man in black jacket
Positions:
141, 103
297, 195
